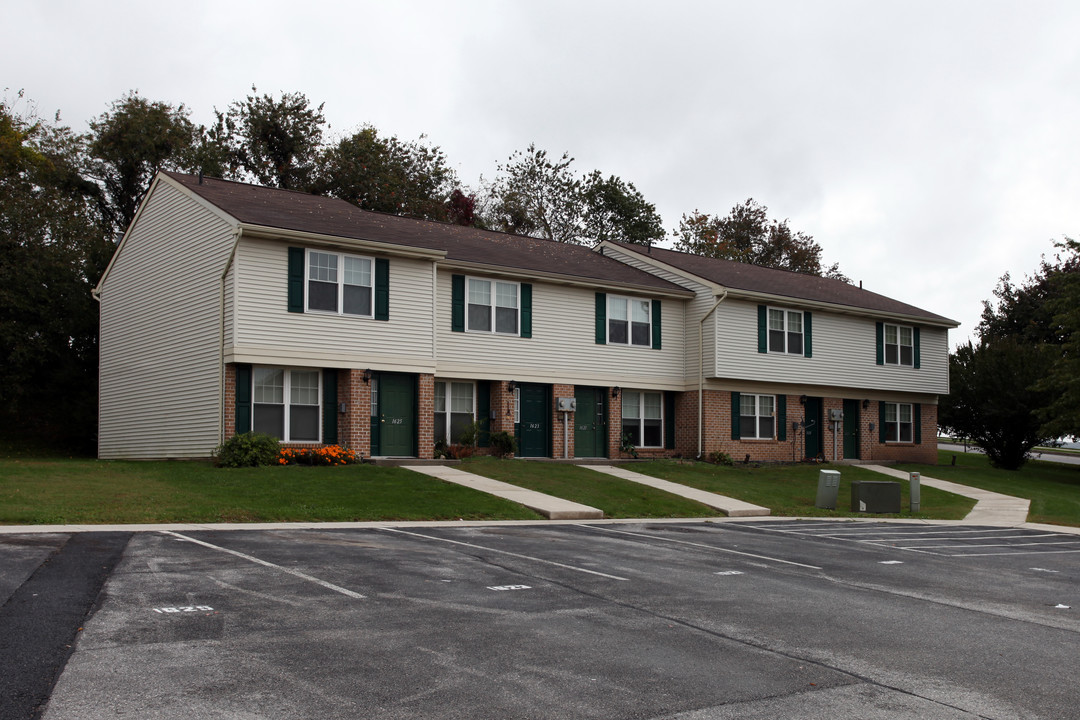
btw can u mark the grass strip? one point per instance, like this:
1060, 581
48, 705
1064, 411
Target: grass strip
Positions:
616, 497
59, 491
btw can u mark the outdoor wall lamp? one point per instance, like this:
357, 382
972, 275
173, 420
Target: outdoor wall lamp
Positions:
367, 375
615, 391
802, 399
512, 385
865, 404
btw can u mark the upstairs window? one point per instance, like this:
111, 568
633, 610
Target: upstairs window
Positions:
899, 345
785, 331
492, 306
339, 284
629, 321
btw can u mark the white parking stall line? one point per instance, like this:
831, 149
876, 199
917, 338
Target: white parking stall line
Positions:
258, 561
504, 552
987, 537
1032, 552
1022, 544
699, 545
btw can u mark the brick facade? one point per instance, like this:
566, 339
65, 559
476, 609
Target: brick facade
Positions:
354, 425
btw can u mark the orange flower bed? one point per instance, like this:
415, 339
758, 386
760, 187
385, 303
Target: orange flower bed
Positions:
328, 455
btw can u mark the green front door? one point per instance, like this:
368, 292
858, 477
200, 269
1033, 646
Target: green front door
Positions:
851, 429
590, 422
534, 427
813, 429
397, 415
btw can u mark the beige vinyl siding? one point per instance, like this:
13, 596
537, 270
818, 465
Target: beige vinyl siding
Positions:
694, 310
159, 338
563, 346
844, 354
266, 332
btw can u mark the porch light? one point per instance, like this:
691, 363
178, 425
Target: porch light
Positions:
615, 391
367, 375
865, 404
802, 399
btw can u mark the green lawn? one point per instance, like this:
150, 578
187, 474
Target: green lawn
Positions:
48, 491
791, 490
1053, 488
617, 498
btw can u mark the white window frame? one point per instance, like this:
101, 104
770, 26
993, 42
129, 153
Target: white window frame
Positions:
760, 413
787, 331
896, 433
287, 402
339, 279
493, 306
447, 409
899, 345
639, 414
627, 303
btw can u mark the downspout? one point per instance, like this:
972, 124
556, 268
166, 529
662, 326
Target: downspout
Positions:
221, 337
701, 374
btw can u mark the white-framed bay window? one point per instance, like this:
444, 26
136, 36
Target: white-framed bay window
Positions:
339, 283
899, 422
286, 403
643, 418
757, 416
455, 409
492, 306
629, 321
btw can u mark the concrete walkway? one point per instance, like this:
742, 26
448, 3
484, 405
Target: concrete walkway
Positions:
729, 506
551, 507
991, 508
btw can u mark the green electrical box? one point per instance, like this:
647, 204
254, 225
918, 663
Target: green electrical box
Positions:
875, 496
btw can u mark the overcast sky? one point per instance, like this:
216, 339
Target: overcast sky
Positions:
929, 147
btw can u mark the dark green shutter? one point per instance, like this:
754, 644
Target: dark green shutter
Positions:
808, 332
781, 416
483, 412
916, 420
329, 399
735, 410
881, 420
382, 289
669, 420
296, 280
526, 310
762, 329
880, 343
457, 303
601, 318
918, 353
656, 334
243, 399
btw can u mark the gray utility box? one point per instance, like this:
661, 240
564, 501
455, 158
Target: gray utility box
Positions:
875, 496
828, 487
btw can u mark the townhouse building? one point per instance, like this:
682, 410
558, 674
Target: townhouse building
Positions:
230, 307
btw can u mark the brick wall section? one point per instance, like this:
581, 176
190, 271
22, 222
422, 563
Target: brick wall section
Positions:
230, 400
354, 427
716, 413
425, 423
502, 404
561, 391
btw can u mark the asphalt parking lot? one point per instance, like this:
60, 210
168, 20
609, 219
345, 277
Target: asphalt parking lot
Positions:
687, 621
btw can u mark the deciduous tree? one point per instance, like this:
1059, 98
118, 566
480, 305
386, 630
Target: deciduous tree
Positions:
276, 141
615, 210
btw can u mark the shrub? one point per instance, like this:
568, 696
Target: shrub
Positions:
328, 455
503, 444
720, 458
627, 446
247, 450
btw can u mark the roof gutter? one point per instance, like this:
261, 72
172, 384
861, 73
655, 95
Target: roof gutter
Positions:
701, 374
272, 233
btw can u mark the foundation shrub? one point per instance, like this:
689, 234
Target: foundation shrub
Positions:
247, 450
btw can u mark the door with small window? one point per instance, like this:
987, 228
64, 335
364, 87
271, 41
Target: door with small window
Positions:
590, 422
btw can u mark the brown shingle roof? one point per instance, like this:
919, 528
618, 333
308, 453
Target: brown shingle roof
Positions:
783, 283
289, 210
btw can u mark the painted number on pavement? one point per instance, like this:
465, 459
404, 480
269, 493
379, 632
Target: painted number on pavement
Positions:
509, 587
183, 609
729, 572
